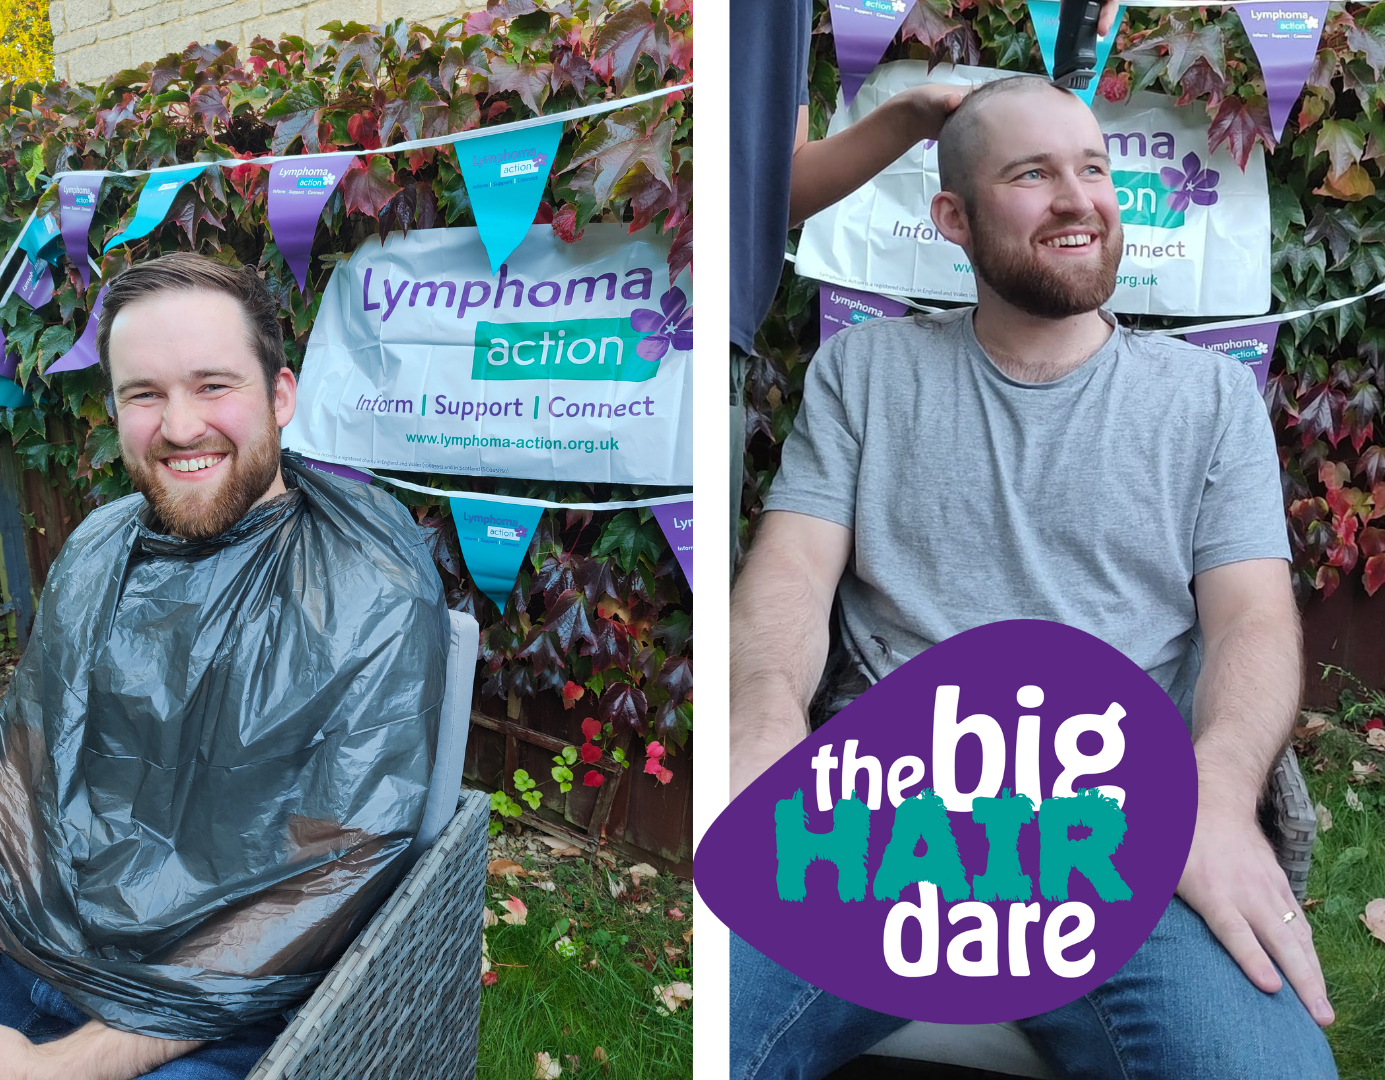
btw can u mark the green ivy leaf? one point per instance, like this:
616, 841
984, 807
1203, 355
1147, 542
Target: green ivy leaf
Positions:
102, 446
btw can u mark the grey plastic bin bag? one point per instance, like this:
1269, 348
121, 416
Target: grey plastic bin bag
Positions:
214, 754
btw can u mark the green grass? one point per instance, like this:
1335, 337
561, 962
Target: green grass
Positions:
1348, 871
564, 1007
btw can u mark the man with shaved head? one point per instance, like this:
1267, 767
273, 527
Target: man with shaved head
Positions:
1029, 458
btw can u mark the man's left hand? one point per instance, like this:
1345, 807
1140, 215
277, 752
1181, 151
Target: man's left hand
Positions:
1234, 882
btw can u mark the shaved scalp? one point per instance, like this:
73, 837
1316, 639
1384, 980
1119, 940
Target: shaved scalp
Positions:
961, 143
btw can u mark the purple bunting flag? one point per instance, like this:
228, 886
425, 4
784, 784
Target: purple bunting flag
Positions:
83, 353
676, 519
297, 193
336, 470
839, 308
1251, 345
35, 291
77, 195
1285, 39
861, 29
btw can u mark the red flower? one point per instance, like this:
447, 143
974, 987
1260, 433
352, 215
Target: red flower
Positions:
654, 751
591, 727
591, 753
594, 779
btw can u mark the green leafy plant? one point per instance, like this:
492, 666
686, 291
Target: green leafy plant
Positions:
1327, 377
505, 807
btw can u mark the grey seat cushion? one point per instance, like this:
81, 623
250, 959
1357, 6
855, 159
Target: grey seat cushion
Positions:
1001, 1048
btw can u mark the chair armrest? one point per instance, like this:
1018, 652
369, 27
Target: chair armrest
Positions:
405, 998
1290, 822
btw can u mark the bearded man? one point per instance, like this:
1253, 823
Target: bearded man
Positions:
216, 749
1029, 458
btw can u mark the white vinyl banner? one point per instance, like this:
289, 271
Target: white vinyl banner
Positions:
1197, 229
571, 363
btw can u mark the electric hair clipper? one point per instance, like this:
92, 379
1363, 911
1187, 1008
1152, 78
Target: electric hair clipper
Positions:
1074, 53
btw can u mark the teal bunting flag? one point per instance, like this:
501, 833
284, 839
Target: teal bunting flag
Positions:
505, 174
494, 538
155, 198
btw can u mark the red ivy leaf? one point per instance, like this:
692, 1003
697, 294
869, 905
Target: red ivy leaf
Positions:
591, 753
496, 108
927, 24
677, 678
680, 255
569, 621
590, 728
1371, 466
1371, 542
539, 649
623, 707
530, 81
1239, 123
1201, 80
208, 105
1320, 413
553, 578
570, 68
362, 129
368, 184
565, 224
625, 37
362, 47
1374, 573
1329, 577
612, 646
593, 778
1115, 87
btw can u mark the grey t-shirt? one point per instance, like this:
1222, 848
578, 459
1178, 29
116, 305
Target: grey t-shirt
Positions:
1092, 500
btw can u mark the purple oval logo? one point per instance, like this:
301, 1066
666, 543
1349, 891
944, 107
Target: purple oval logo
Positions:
987, 834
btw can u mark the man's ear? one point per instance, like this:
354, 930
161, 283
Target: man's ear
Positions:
950, 216
285, 397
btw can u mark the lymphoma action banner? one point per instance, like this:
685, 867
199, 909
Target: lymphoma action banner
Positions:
839, 308
1197, 229
1285, 40
573, 362
988, 833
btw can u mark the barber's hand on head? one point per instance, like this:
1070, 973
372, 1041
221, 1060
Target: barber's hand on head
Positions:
1234, 882
928, 106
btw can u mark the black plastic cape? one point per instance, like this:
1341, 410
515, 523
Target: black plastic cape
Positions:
213, 755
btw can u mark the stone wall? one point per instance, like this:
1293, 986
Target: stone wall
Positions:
93, 39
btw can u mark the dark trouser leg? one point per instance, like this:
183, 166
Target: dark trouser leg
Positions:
738, 360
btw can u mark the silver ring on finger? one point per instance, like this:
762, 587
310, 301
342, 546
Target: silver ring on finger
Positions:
1289, 916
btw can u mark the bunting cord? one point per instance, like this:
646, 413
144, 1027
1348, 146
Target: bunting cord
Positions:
1177, 331
423, 489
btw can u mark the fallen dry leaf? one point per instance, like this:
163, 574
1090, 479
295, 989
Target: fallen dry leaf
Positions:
643, 909
593, 963
672, 996
675, 914
488, 917
1361, 768
642, 870
501, 867
490, 978
687, 938
1310, 724
671, 952
1353, 799
616, 886
1374, 918
599, 1054
1310, 904
1376, 738
1324, 817
573, 1062
515, 911
546, 886
545, 1068
606, 856
551, 841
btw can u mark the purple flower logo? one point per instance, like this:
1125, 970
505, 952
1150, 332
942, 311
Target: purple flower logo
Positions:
672, 326
521, 532
1193, 185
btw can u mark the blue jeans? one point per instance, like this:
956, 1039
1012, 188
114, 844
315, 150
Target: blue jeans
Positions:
33, 1008
1179, 1010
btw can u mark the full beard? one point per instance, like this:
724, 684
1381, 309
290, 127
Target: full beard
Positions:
206, 511
1022, 280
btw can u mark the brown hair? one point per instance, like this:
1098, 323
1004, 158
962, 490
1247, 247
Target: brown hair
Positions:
960, 139
183, 271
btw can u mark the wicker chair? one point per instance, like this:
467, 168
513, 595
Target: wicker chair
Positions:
1286, 815
403, 1002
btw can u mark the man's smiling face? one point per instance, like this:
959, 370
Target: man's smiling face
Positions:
199, 429
1043, 225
